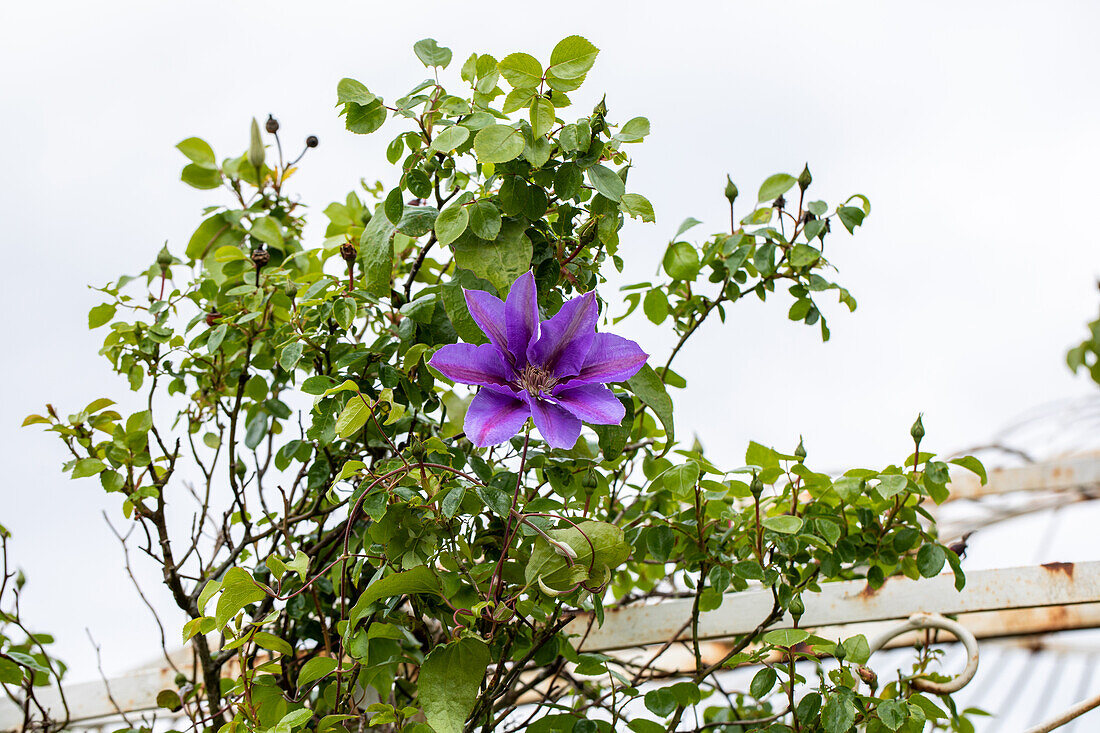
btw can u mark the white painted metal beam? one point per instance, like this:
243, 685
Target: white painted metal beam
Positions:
1054, 584
1079, 473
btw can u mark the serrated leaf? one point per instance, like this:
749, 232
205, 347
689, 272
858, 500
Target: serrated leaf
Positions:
521, 70
498, 144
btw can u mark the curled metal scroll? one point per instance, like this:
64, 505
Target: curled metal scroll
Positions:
934, 621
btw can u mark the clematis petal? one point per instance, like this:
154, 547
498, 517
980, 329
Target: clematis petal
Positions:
593, 403
559, 427
494, 418
611, 359
487, 310
521, 317
564, 340
479, 364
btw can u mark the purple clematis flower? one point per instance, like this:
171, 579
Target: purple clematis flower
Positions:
553, 371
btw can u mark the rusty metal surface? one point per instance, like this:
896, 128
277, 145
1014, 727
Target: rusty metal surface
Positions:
1053, 584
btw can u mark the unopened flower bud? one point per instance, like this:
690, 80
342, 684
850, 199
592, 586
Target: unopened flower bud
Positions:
731, 190
212, 317
601, 108
163, 258
756, 486
272, 124
256, 146
291, 290
348, 252
804, 178
260, 257
797, 607
800, 451
917, 431
312, 141
840, 652
868, 677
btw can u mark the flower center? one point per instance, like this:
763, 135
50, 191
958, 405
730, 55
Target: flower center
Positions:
536, 380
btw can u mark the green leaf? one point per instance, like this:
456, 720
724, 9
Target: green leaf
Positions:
500, 261
891, 485
681, 261
417, 221
930, 560
349, 90
572, 58
289, 356
542, 116
363, 119
803, 255
450, 139
199, 152
972, 464
268, 231
449, 681
272, 643
633, 131
213, 233
353, 417
201, 177
521, 70
292, 720
783, 524
484, 219
649, 388
851, 217
599, 547
775, 186
376, 253
607, 182
893, 713
86, 467
786, 637
637, 206
431, 53
10, 672
762, 683
101, 314
856, 649
315, 669
655, 305
169, 700
454, 302
498, 144
394, 205
451, 223
217, 335
681, 480
417, 580
838, 714
238, 590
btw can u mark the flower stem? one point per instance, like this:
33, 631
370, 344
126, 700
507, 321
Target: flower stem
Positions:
497, 586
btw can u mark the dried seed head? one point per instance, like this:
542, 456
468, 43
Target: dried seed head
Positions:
312, 141
272, 124
260, 257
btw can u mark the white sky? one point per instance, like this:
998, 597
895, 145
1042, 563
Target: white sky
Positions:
971, 127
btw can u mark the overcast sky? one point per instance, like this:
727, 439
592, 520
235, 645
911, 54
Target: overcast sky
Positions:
971, 127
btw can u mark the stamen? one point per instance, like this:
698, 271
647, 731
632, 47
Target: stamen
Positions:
536, 380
